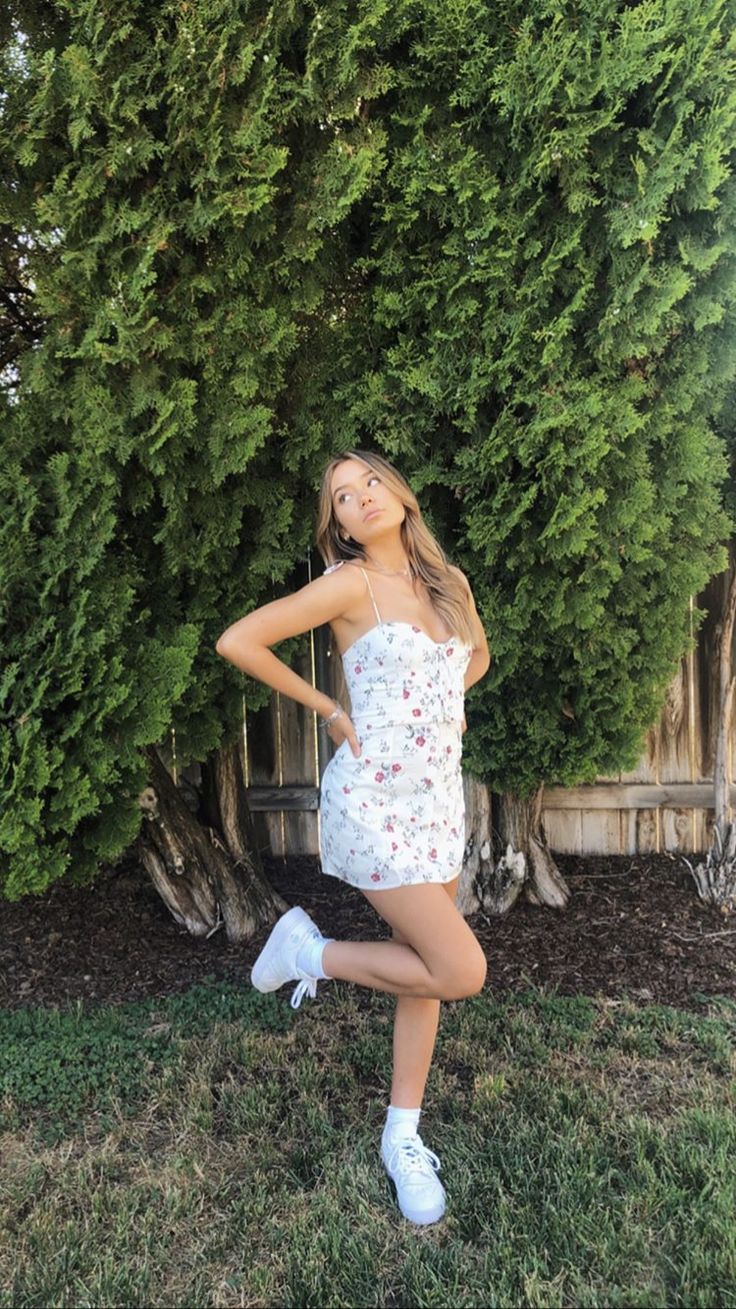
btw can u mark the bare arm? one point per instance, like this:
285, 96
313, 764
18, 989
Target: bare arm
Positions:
246, 642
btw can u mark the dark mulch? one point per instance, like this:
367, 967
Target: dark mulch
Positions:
633, 925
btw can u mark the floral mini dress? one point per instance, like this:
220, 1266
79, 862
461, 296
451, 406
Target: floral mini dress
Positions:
395, 815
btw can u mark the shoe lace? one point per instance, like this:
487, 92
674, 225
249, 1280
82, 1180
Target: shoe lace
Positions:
413, 1156
307, 986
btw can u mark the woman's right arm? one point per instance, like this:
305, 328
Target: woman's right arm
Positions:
246, 642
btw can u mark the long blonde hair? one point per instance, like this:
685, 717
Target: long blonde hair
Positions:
427, 559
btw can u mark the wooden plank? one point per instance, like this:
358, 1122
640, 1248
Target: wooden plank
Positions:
678, 753
298, 759
642, 833
600, 830
272, 799
713, 602
298, 744
562, 808
677, 829
323, 681
563, 829
647, 831
262, 738
621, 795
674, 758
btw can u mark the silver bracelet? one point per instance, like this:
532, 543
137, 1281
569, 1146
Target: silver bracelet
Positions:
326, 721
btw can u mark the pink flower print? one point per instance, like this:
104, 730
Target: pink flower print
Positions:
346, 790
394, 845
406, 694
396, 768
414, 628
448, 749
416, 712
380, 776
433, 853
451, 649
427, 781
358, 668
389, 827
375, 877
420, 740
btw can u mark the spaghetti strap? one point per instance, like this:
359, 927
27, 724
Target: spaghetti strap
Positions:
373, 598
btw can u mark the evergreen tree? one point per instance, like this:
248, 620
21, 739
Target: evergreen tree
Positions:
542, 337
173, 197
495, 241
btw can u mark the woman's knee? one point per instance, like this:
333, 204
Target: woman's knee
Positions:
467, 978
456, 980
425, 918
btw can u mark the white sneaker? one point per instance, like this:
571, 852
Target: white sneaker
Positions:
413, 1169
277, 964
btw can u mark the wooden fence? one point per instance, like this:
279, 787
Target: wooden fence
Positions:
664, 803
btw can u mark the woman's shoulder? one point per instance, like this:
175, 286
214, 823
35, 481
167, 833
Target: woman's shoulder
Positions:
331, 567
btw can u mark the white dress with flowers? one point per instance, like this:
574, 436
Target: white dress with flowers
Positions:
395, 815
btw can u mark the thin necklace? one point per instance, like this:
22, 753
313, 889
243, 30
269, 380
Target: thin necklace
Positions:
391, 572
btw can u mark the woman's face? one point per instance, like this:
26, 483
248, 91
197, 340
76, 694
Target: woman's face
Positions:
362, 503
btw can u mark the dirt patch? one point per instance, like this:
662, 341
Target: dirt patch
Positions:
633, 925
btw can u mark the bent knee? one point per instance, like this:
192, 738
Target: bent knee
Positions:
466, 980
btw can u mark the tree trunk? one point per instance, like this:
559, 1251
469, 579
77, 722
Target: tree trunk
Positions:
477, 856
522, 830
208, 876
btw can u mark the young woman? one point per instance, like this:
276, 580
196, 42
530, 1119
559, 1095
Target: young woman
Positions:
391, 801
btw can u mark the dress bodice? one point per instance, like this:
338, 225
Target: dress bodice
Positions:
395, 673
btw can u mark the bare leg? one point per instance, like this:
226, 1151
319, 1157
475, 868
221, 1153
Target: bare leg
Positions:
442, 960
381, 965
415, 1032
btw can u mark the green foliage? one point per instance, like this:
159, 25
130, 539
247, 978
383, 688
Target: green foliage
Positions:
494, 241
193, 1012
62, 1063
544, 340
175, 199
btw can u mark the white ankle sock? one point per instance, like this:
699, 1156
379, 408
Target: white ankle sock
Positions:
309, 955
401, 1122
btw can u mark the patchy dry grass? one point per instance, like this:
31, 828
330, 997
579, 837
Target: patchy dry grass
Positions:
219, 1149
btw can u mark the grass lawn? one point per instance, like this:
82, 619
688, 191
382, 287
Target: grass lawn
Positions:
218, 1148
